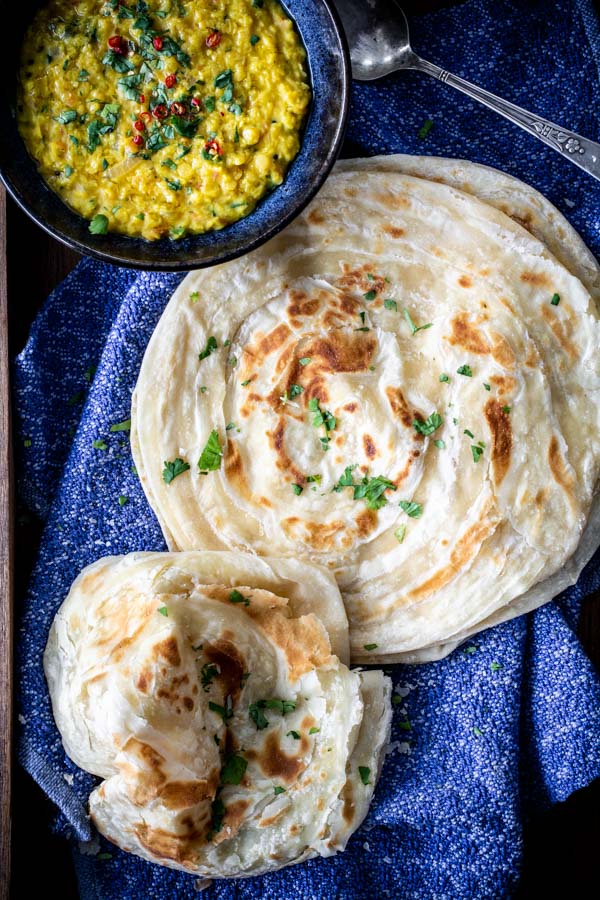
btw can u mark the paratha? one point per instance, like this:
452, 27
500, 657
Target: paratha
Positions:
204, 691
402, 386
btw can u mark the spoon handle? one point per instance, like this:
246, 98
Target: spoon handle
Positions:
579, 150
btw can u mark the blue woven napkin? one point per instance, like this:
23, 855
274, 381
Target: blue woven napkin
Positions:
482, 739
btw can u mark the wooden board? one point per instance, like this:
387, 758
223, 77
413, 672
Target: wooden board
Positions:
6, 569
561, 847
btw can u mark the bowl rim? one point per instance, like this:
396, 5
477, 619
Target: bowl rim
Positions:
186, 265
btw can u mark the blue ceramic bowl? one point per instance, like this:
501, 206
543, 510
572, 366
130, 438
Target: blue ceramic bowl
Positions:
329, 66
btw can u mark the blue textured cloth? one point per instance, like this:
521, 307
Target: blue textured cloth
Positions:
485, 737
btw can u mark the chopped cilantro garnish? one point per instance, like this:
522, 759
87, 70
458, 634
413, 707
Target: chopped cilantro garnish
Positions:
506, 409
173, 469
397, 699
209, 104
372, 489
76, 398
444, 377
313, 730
224, 79
304, 361
370, 295
163, 610
117, 61
99, 445
293, 734
257, 715
233, 770
487, 386
364, 773
277, 789
68, 171
390, 304
297, 489
99, 224
370, 646
236, 597
425, 128
440, 444
254, 39
226, 712
476, 451
555, 299
345, 480
412, 509
68, 115
468, 433
211, 346
414, 328
174, 185
210, 458
296, 390
431, 424
123, 500
400, 533
121, 426
495, 666
465, 370
207, 673
477, 731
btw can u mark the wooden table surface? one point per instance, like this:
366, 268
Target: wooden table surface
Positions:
562, 847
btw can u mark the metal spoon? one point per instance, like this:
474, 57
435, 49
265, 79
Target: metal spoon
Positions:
377, 33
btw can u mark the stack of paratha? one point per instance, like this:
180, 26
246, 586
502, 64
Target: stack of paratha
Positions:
402, 386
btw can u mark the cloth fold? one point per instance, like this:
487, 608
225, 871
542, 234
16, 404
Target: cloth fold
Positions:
483, 739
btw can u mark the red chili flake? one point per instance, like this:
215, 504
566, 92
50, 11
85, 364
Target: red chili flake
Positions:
194, 101
145, 115
213, 40
178, 109
137, 140
117, 44
139, 125
142, 98
157, 43
160, 111
213, 148
171, 81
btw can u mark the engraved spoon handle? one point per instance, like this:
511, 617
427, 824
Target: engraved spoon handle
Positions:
580, 150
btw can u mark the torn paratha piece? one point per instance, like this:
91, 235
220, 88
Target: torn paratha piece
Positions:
205, 690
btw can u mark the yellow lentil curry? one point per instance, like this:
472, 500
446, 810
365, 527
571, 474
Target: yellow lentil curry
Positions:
172, 117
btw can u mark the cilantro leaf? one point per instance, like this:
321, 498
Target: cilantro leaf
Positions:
412, 509
465, 370
431, 424
414, 328
234, 769
210, 458
364, 773
211, 346
236, 597
173, 469
99, 224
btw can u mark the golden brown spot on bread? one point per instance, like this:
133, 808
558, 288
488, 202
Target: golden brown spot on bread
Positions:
502, 351
366, 522
348, 809
283, 461
183, 794
350, 407
467, 336
395, 201
465, 281
169, 650
318, 535
315, 217
143, 681
399, 406
233, 818
231, 663
341, 351
466, 548
558, 467
362, 278
302, 305
146, 776
166, 845
506, 384
525, 221
561, 329
233, 467
274, 763
538, 279
271, 820
394, 231
369, 446
304, 641
500, 427
269, 343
